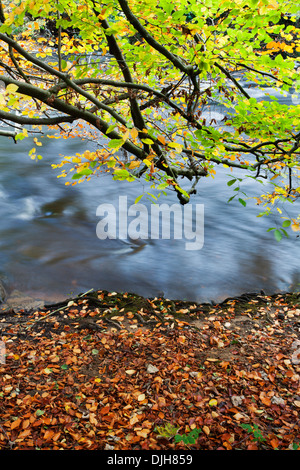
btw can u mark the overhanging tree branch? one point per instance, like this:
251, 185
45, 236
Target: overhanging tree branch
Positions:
150, 40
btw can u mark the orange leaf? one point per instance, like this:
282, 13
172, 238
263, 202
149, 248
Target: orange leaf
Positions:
161, 401
25, 424
143, 432
265, 400
206, 430
274, 443
161, 139
252, 447
15, 424
134, 133
48, 434
135, 419
105, 410
24, 433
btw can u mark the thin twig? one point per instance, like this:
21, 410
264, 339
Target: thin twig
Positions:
58, 310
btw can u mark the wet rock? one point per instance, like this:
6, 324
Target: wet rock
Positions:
3, 293
19, 300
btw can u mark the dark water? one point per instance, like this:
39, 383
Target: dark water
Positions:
49, 247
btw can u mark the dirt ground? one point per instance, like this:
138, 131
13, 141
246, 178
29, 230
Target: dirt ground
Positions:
121, 372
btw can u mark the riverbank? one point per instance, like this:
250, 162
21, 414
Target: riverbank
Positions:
115, 371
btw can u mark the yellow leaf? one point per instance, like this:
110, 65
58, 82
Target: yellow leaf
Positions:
134, 165
176, 146
39, 144
11, 88
126, 135
295, 227
141, 397
134, 133
213, 402
130, 371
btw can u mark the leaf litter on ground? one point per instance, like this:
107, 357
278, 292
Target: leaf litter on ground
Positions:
118, 372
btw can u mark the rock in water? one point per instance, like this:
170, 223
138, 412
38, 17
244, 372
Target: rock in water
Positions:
18, 300
3, 294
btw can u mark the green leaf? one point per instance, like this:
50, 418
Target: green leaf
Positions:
39, 412
86, 171
242, 202
115, 143
111, 128
64, 367
231, 182
121, 174
286, 223
162, 186
277, 235
147, 141
284, 232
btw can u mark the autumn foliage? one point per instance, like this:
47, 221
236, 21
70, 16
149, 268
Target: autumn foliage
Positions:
119, 372
139, 79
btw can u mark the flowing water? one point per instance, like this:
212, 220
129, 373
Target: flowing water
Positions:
49, 248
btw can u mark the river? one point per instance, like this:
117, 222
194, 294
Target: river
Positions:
49, 247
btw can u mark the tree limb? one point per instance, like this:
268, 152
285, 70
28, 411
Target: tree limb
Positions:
150, 39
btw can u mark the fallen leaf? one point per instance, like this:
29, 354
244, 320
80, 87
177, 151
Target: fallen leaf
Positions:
105, 410
24, 434
143, 432
15, 423
206, 430
135, 419
274, 443
213, 402
152, 369
25, 424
